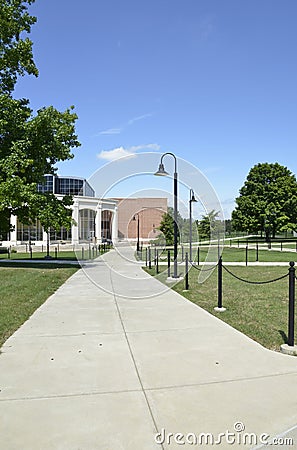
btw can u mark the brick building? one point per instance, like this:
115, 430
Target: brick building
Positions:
149, 211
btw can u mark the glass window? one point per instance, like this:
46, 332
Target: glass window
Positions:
86, 224
60, 235
31, 232
47, 185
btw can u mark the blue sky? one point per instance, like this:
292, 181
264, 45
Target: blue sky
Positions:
213, 81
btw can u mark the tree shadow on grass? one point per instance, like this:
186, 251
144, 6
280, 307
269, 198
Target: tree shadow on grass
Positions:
38, 265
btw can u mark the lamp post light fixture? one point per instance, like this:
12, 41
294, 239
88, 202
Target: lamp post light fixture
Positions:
162, 172
192, 199
134, 218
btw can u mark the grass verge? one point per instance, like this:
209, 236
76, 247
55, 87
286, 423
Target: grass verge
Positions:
231, 254
259, 311
63, 255
23, 290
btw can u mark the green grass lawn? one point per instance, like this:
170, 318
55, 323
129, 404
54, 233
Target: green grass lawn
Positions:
23, 290
231, 254
259, 311
67, 255
238, 255
62, 255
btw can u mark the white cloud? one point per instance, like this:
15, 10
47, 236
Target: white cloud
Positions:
120, 152
111, 131
135, 119
116, 153
135, 148
118, 130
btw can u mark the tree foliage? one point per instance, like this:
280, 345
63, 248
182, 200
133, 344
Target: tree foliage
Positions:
209, 225
30, 145
16, 56
167, 226
267, 201
185, 231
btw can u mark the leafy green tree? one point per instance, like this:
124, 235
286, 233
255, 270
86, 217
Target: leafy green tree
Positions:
228, 227
167, 226
16, 56
209, 225
186, 230
267, 201
30, 145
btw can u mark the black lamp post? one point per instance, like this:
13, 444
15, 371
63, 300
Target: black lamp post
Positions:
134, 218
192, 199
162, 172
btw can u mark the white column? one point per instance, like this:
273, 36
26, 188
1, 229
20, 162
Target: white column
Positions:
44, 236
114, 225
98, 220
74, 227
13, 234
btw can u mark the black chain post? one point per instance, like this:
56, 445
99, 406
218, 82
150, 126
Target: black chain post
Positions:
257, 252
146, 256
56, 253
82, 253
150, 258
187, 273
198, 256
246, 255
220, 283
168, 263
157, 262
291, 304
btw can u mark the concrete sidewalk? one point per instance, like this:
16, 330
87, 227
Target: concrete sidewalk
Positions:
114, 357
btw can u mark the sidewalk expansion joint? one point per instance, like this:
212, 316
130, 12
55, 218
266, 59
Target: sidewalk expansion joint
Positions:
134, 362
46, 336
157, 330
81, 394
209, 383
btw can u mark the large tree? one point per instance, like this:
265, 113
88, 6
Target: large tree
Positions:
209, 226
167, 226
30, 145
268, 201
16, 57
